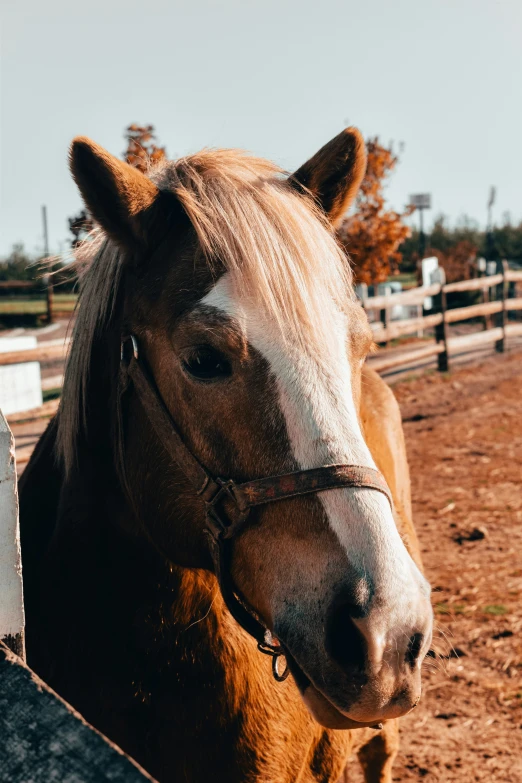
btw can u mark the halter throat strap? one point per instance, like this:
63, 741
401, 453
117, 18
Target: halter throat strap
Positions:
227, 503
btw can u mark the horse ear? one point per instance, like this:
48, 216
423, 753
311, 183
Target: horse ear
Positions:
334, 174
118, 196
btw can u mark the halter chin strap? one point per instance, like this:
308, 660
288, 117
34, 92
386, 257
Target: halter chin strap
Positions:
228, 504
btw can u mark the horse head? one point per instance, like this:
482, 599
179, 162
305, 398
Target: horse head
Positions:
227, 272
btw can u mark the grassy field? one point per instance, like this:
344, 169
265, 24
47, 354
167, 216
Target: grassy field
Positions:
13, 305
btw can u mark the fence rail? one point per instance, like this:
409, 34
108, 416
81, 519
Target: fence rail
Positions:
446, 346
50, 350
440, 318
44, 286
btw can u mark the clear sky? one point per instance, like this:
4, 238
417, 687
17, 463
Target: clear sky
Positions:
277, 77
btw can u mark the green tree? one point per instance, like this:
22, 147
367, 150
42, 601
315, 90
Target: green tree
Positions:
79, 226
506, 241
19, 265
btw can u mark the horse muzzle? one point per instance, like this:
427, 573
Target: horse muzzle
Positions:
360, 670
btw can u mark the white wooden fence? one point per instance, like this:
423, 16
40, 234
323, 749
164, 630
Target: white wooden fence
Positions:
385, 330
11, 594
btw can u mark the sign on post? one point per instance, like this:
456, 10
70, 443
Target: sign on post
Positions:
429, 265
421, 200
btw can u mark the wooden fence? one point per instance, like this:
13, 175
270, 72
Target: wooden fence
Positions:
494, 311
11, 600
48, 351
440, 317
43, 287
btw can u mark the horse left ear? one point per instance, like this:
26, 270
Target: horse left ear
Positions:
334, 174
119, 197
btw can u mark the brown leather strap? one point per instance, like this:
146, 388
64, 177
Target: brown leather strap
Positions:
250, 493
304, 482
166, 431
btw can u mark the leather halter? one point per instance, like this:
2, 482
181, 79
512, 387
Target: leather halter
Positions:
228, 504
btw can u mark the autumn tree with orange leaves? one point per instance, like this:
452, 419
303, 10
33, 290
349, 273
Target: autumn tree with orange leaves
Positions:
458, 260
142, 150
373, 234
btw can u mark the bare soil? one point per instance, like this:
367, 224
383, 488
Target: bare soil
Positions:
464, 438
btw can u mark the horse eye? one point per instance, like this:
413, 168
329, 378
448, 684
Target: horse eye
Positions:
206, 364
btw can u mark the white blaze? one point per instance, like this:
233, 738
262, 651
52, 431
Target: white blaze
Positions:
317, 403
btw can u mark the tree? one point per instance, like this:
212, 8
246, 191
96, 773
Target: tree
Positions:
142, 152
458, 260
373, 234
18, 265
505, 240
456, 248
79, 226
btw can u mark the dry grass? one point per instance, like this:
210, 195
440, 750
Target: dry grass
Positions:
17, 306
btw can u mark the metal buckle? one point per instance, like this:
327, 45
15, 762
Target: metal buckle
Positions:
218, 522
135, 351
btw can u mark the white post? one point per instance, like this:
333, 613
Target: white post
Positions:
11, 595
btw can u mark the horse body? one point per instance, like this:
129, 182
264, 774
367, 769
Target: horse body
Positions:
124, 615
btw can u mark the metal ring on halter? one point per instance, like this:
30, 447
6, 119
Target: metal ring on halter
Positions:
275, 671
276, 652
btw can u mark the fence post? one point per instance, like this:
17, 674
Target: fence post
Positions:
11, 597
439, 301
385, 313
48, 280
384, 320
485, 300
502, 267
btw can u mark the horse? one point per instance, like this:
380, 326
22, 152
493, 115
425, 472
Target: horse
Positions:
224, 478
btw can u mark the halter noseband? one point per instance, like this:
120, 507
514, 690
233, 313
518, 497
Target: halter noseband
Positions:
228, 504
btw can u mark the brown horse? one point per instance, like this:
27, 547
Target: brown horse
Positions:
219, 279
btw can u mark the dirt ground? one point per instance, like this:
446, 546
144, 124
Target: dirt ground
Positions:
464, 438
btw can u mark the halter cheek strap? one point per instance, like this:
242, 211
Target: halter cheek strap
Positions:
227, 503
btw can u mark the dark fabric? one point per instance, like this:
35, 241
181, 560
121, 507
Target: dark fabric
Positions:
42, 739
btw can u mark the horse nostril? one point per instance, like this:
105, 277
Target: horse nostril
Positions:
345, 644
414, 648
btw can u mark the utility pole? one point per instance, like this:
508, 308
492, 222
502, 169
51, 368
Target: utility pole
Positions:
45, 232
489, 227
422, 236
48, 278
421, 201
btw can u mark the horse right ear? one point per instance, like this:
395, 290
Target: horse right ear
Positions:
333, 175
118, 196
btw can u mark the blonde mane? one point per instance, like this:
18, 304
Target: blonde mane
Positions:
278, 247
